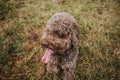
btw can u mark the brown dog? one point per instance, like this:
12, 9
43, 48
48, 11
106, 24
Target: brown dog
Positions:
61, 39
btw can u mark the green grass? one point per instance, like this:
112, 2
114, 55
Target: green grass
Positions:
21, 26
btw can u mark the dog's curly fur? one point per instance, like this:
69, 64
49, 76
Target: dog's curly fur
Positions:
63, 37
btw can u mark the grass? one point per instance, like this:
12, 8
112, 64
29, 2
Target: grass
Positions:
21, 25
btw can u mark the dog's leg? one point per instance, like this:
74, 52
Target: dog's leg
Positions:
68, 74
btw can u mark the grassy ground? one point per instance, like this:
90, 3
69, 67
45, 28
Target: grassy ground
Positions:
21, 26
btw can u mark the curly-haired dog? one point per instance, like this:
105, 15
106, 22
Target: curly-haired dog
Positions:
61, 38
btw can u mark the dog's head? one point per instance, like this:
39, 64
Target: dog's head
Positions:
61, 33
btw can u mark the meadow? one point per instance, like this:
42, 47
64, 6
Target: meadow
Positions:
21, 26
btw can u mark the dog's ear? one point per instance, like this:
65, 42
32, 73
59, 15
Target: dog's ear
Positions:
75, 36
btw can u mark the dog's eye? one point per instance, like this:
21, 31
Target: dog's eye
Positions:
55, 31
59, 34
62, 36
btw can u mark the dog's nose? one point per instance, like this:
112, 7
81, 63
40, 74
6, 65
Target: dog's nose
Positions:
44, 43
